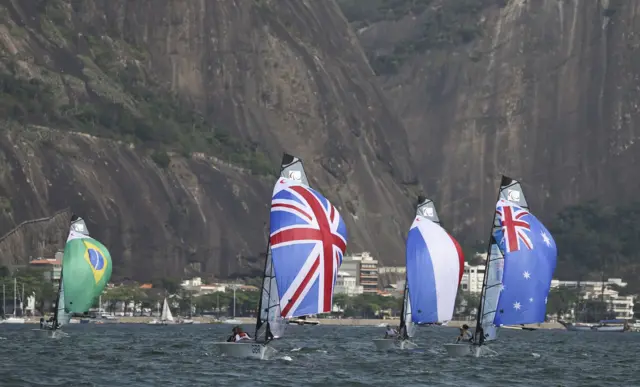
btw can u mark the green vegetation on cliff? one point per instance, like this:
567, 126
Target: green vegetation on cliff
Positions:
595, 239
443, 24
104, 89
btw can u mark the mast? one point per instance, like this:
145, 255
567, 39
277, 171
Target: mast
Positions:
15, 295
479, 340
286, 160
234, 301
55, 310
405, 295
4, 302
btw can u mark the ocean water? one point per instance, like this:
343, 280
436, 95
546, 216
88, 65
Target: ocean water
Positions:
182, 355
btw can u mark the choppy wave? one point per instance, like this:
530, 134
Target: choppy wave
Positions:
121, 355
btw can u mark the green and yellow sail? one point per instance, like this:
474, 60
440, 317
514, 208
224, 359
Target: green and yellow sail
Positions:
86, 269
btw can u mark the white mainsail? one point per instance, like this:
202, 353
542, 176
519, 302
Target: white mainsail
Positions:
270, 303
61, 316
166, 312
409, 326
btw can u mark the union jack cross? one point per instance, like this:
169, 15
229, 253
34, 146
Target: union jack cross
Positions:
301, 217
514, 227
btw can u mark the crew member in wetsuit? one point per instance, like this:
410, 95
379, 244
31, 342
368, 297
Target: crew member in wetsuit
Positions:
464, 335
232, 338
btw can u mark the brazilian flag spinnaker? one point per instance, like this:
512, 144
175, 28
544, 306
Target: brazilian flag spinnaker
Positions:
86, 269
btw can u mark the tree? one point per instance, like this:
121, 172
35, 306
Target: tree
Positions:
596, 310
472, 302
170, 285
341, 301
561, 300
45, 294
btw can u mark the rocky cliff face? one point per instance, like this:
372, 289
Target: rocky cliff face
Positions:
545, 91
197, 97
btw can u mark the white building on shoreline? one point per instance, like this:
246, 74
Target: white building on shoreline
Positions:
347, 284
622, 306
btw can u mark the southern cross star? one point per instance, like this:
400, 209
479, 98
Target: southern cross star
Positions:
516, 306
526, 275
545, 239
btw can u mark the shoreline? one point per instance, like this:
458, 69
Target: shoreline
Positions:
322, 321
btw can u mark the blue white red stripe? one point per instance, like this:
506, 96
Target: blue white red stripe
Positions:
434, 266
308, 239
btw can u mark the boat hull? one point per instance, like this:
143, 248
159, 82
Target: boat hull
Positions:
303, 322
576, 327
459, 350
249, 350
232, 321
393, 344
13, 320
161, 322
520, 328
607, 328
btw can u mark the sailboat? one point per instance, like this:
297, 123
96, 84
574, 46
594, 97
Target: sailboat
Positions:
166, 317
14, 319
307, 241
520, 264
86, 269
233, 319
434, 263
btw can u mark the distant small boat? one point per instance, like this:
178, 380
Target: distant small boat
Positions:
603, 326
166, 318
232, 321
578, 327
13, 320
518, 327
302, 321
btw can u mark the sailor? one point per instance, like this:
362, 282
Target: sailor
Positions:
390, 333
465, 335
232, 338
240, 335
